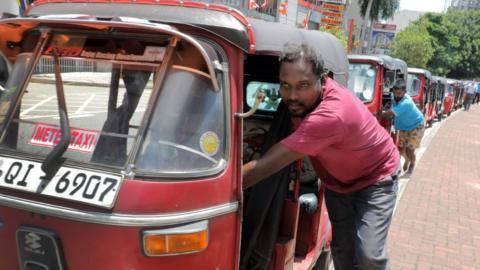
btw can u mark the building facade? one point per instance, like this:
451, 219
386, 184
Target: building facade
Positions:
465, 4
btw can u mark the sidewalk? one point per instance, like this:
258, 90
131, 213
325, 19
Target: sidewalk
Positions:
437, 222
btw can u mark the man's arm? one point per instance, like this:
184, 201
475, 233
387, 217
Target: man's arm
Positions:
276, 158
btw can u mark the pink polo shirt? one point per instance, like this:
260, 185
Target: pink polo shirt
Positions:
348, 148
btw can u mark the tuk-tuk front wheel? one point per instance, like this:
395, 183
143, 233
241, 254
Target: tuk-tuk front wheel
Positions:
430, 123
440, 116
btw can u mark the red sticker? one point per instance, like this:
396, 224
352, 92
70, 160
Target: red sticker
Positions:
82, 140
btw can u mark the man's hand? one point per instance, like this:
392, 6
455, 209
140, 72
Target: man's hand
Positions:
388, 113
274, 160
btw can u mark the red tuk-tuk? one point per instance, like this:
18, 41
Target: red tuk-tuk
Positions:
449, 99
371, 77
122, 137
459, 89
441, 88
430, 110
418, 81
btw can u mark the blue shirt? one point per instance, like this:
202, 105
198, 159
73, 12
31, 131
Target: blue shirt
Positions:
407, 115
478, 87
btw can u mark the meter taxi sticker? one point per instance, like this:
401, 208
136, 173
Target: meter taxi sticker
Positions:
209, 143
82, 140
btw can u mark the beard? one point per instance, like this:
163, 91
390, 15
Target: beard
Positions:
397, 99
300, 109
297, 109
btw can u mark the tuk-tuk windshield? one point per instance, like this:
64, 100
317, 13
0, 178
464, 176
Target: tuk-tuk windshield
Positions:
88, 94
186, 133
361, 80
107, 84
413, 84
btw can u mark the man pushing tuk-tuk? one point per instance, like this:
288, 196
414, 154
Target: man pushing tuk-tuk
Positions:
409, 122
351, 153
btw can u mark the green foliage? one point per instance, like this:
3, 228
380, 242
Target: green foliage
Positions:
338, 33
413, 45
454, 37
381, 9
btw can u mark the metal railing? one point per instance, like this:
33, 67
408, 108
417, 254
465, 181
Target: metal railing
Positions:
46, 65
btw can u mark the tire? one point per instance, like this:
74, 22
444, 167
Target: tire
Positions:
440, 116
430, 122
450, 112
324, 262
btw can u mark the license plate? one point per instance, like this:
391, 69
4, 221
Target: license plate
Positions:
72, 184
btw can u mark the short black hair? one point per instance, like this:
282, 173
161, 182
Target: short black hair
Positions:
293, 52
400, 84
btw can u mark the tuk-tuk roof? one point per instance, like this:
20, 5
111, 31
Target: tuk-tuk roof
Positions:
442, 80
425, 72
222, 21
270, 38
452, 81
385, 60
250, 35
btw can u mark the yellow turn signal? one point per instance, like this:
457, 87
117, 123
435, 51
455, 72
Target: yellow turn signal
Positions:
186, 239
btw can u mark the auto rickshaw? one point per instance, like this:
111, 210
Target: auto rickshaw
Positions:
441, 85
133, 159
459, 91
449, 99
371, 78
418, 80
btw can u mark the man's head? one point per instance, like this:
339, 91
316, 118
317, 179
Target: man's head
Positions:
399, 89
301, 71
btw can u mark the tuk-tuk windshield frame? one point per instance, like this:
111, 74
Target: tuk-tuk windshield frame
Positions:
362, 80
413, 84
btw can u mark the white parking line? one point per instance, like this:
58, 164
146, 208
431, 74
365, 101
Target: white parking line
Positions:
37, 105
85, 104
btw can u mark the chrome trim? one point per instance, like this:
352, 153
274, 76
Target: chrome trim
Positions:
126, 220
184, 229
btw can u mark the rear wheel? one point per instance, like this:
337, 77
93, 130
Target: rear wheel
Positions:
324, 262
440, 116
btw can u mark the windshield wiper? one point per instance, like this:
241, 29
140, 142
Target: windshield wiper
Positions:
51, 163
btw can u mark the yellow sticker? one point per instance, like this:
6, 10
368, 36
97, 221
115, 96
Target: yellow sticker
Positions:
209, 143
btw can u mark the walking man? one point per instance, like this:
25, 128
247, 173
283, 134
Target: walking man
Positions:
351, 153
469, 94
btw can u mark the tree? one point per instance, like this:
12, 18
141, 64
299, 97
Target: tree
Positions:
414, 45
375, 9
380, 9
454, 38
338, 33
456, 43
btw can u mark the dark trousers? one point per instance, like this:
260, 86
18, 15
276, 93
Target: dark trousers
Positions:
360, 222
468, 101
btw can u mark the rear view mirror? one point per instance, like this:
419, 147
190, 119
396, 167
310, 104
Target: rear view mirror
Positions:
272, 95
